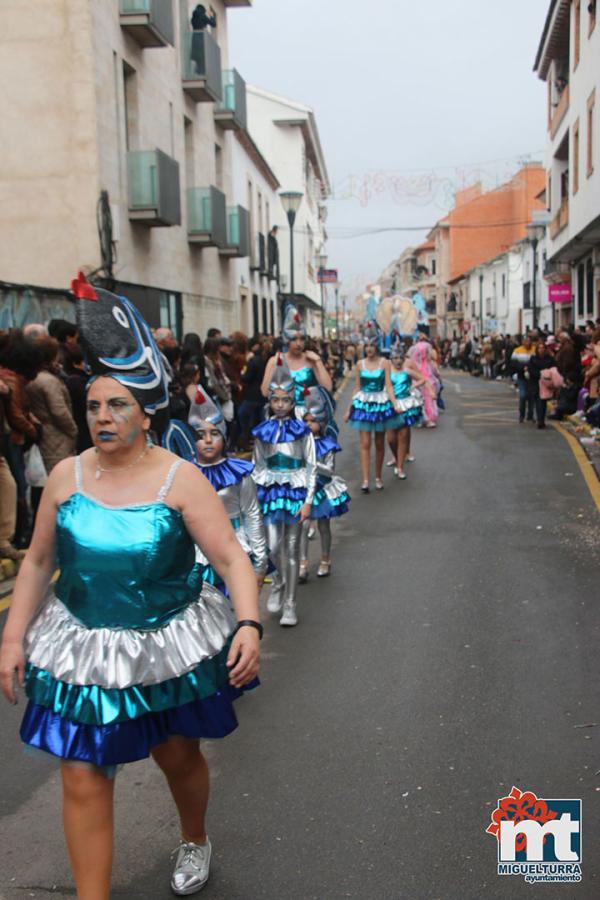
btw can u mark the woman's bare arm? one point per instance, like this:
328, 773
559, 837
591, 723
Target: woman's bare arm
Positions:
264, 387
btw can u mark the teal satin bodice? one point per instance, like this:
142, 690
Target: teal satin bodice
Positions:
124, 567
372, 381
304, 377
401, 382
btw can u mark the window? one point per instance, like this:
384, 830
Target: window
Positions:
219, 167
576, 156
577, 27
188, 137
592, 16
589, 288
580, 290
527, 295
265, 321
433, 265
131, 106
590, 133
255, 322
549, 193
504, 285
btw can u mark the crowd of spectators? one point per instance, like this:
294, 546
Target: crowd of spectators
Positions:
43, 401
564, 367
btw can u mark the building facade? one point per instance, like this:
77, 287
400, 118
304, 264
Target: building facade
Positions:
568, 60
286, 133
119, 159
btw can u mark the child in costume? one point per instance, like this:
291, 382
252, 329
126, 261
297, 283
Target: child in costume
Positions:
406, 380
285, 474
203, 442
372, 408
331, 497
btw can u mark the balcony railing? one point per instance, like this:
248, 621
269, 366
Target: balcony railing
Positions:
230, 112
238, 232
201, 67
207, 217
560, 220
555, 272
149, 22
560, 111
154, 196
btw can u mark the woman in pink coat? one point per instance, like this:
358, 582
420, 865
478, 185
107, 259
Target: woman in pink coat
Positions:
421, 354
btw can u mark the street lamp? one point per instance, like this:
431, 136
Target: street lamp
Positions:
321, 263
291, 201
338, 285
535, 234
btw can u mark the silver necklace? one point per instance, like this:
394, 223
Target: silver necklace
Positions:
100, 470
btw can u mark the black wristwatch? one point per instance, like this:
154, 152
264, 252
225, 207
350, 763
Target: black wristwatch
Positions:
252, 624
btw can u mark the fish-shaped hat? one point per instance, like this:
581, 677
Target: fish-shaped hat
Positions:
318, 403
203, 409
180, 439
293, 326
281, 378
118, 342
371, 334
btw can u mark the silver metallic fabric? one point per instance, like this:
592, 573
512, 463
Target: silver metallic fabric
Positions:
324, 526
284, 548
120, 658
306, 476
242, 506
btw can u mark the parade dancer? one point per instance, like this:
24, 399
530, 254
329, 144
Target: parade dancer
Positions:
408, 405
372, 408
421, 355
331, 498
285, 474
203, 442
129, 655
306, 366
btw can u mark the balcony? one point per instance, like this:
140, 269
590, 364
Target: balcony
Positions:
154, 196
238, 232
207, 217
201, 67
149, 22
560, 220
556, 272
230, 112
559, 112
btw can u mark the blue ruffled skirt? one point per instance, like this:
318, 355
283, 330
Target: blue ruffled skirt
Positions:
108, 696
371, 411
281, 502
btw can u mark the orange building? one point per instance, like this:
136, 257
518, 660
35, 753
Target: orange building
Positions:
481, 225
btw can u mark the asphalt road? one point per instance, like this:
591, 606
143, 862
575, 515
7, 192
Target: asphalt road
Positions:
451, 655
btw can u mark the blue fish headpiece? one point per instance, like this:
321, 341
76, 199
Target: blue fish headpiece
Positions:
203, 409
293, 326
281, 378
180, 439
318, 404
118, 342
371, 334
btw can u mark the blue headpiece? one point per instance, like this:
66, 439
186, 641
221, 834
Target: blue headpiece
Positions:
118, 342
181, 440
203, 409
293, 326
371, 334
281, 379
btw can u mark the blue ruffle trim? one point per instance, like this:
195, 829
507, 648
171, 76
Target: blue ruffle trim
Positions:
280, 502
227, 472
371, 416
324, 508
406, 419
325, 445
280, 431
112, 745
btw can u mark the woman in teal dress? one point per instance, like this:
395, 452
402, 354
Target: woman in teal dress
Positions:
306, 367
406, 379
128, 655
372, 408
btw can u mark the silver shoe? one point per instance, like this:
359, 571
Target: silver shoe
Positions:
191, 868
324, 568
303, 572
274, 602
311, 533
289, 616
